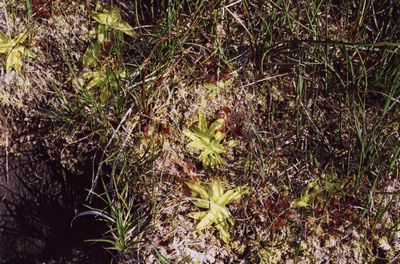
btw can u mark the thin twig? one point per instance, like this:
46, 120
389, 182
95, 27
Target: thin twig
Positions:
395, 259
96, 177
240, 22
232, 4
264, 79
7, 170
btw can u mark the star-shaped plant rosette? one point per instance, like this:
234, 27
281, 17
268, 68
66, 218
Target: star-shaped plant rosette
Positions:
15, 51
213, 198
209, 140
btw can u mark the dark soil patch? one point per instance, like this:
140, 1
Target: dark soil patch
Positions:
38, 202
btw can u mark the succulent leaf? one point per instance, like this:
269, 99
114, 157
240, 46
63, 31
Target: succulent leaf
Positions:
208, 141
112, 18
15, 51
217, 215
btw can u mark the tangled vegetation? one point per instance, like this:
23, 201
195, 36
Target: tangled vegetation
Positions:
293, 105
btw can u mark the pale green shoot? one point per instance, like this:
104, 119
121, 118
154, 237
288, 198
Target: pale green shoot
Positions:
215, 201
317, 189
15, 51
208, 141
112, 18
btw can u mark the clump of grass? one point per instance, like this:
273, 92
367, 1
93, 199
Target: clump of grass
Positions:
124, 218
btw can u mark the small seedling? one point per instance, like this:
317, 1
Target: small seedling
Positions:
317, 189
110, 21
209, 141
112, 18
15, 51
104, 76
215, 201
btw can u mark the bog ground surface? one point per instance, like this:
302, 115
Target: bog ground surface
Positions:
214, 131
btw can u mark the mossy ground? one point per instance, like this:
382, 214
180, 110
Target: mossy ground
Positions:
309, 90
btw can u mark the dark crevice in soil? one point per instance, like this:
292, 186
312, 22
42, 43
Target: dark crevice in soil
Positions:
38, 200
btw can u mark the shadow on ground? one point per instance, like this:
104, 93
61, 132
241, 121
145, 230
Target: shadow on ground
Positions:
37, 203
